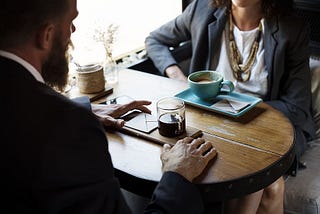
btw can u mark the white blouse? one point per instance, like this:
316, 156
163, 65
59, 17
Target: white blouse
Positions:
257, 84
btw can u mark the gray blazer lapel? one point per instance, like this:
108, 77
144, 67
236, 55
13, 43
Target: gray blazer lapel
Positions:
270, 44
215, 30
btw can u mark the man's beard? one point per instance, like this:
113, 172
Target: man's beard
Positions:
55, 70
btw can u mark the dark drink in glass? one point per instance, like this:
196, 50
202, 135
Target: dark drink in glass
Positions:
171, 125
171, 116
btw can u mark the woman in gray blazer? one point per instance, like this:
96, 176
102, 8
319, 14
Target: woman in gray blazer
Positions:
259, 45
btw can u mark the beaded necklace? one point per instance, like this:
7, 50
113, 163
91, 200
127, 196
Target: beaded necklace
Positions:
242, 71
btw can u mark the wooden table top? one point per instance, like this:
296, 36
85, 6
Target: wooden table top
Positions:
253, 150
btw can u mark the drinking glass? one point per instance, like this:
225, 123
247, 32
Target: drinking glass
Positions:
171, 116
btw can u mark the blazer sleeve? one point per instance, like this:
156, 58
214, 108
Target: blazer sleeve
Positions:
169, 35
84, 101
175, 194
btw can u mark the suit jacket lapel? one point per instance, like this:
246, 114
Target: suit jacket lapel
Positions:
215, 30
270, 44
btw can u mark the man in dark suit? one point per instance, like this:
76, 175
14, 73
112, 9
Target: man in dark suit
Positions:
54, 153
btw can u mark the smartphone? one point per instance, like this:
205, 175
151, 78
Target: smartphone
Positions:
140, 121
124, 99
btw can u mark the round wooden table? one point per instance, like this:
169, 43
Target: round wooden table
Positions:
253, 150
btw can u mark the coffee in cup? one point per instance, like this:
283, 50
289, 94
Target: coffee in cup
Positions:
208, 84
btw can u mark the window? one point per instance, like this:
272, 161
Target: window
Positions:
134, 18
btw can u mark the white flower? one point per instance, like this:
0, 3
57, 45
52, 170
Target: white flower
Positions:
107, 38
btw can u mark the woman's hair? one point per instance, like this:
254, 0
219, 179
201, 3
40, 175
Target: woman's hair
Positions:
269, 7
19, 20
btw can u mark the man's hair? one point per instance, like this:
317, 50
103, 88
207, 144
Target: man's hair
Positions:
19, 20
270, 8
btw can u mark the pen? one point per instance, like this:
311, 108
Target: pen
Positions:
196, 134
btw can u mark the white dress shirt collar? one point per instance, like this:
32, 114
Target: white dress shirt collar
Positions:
24, 63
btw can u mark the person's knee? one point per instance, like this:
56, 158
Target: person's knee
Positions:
272, 198
276, 189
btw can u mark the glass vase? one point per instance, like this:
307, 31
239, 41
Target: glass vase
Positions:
111, 71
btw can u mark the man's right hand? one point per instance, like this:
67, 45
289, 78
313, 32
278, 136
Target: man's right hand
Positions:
188, 157
109, 115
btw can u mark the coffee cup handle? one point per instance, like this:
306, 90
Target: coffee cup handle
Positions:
229, 84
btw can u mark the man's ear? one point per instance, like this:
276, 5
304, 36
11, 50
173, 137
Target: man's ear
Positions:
45, 37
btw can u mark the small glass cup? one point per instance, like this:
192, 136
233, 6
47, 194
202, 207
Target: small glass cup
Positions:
171, 116
111, 72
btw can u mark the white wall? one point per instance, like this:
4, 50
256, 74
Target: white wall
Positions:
135, 18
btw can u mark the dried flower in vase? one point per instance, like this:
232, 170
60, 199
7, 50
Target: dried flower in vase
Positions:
107, 38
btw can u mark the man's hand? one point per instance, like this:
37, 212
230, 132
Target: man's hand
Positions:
188, 157
108, 114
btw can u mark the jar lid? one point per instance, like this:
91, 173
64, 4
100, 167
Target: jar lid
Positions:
89, 68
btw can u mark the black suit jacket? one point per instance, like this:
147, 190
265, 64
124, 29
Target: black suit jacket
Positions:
55, 159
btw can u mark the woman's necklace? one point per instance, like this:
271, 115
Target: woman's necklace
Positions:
241, 71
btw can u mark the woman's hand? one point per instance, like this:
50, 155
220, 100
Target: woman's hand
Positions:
108, 114
174, 72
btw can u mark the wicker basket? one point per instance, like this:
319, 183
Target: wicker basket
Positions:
90, 79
